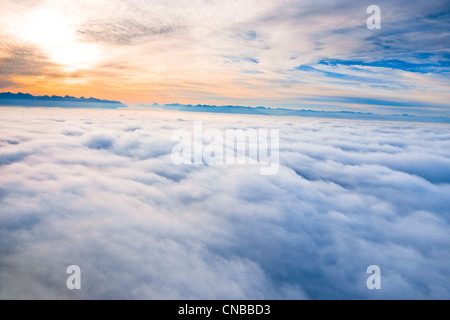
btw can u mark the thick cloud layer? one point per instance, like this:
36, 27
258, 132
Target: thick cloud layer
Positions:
98, 189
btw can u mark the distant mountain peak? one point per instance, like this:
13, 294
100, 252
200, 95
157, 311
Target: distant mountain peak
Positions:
28, 100
27, 96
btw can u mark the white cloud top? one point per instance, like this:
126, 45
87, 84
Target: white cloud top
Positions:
98, 189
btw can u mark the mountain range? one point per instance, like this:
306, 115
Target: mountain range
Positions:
28, 100
347, 115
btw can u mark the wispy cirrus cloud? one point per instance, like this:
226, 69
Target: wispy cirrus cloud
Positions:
204, 51
25, 60
126, 31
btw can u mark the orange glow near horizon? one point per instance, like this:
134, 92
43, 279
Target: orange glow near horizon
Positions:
249, 53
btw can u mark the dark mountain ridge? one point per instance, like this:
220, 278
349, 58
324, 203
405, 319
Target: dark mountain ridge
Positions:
27, 96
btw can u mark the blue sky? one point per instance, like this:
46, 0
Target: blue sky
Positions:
277, 53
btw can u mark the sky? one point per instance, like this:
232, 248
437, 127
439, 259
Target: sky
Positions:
276, 53
98, 189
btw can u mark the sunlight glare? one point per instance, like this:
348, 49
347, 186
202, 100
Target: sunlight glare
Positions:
58, 38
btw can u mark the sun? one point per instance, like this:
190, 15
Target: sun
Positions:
57, 37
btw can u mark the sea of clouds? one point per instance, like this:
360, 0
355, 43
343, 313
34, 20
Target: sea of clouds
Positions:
98, 189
